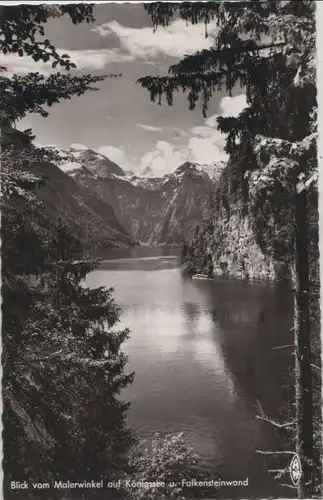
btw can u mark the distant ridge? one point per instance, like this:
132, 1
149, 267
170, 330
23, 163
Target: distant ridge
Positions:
153, 210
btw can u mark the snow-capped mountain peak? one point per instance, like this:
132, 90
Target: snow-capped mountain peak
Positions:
212, 171
78, 160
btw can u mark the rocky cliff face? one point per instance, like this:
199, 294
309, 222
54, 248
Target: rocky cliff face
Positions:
168, 209
94, 162
226, 245
89, 217
187, 194
228, 248
154, 210
238, 255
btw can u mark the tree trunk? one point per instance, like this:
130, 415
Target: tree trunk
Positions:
303, 370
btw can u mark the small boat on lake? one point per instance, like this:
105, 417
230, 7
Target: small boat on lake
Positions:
201, 277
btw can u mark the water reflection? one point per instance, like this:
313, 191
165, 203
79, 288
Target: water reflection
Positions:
203, 355
201, 332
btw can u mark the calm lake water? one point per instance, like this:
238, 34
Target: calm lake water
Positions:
204, 358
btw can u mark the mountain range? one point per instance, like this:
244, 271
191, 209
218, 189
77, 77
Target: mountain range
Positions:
152, 210
91, 219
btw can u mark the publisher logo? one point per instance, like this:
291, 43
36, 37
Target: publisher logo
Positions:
295, 470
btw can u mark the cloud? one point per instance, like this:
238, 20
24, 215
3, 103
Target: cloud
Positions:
203, 144
78, 146
208, 149
114, 154
163, 159
232, 106
166, 157
150, 128
207, 143
84, 59
211, 121
175, 40
179, 133
200, 144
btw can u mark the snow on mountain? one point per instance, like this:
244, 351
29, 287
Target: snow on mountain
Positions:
151, 183
152, 209
213, 171
148, 180
80, 160
70, 166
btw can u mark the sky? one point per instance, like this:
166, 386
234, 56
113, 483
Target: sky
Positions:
119, 120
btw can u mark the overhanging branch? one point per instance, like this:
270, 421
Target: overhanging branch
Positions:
276, 424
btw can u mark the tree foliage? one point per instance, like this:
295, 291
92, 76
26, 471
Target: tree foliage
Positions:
64, 368
163, 468
63, 363
23, 33
241, 55
268, 49
34, 92
23, 30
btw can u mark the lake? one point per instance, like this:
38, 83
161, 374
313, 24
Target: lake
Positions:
206, 362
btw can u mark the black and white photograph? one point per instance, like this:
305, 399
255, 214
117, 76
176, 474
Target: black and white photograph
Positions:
161, 325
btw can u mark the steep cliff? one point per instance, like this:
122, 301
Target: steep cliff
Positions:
187, 193
226, 243
91, 219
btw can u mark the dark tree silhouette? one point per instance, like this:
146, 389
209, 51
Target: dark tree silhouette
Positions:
268, 49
